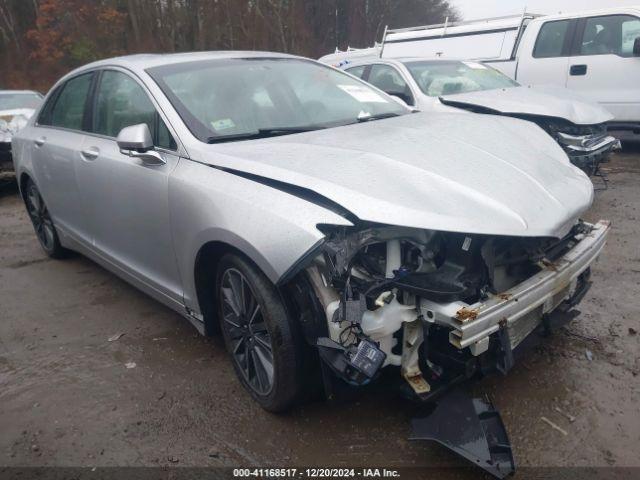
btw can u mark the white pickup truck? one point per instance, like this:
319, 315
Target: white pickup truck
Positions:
596, 53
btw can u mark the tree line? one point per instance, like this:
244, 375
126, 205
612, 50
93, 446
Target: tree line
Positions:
42, 39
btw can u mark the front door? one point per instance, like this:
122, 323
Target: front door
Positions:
603, 67
127, 200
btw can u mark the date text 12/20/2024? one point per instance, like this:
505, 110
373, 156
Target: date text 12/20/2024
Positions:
315, 473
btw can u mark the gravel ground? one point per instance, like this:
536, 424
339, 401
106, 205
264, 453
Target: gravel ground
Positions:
67, 397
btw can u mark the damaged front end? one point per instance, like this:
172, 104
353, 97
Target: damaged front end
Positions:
586, 145
435, 303
439, 307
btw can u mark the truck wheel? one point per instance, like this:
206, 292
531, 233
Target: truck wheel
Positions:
258, 333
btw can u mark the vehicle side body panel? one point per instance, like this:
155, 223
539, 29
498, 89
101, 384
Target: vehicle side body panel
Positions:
273, 228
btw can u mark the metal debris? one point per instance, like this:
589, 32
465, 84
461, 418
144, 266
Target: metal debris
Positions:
115, 337
580, 336
569, 417
130, 364
554, 426
589, 354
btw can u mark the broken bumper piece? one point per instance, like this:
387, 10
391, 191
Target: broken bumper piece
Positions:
588, 151
521, 309
470, 427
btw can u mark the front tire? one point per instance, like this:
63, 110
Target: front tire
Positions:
42, 222
258, 333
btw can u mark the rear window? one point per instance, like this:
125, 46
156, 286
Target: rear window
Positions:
550, 42
66, 109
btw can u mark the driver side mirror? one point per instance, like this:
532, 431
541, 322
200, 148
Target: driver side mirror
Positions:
636, 47
136, 141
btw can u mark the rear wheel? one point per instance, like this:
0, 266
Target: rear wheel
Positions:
258, 334
42, 222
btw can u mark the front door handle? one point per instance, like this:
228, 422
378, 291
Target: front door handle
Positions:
40, 141
578, 70
90, 153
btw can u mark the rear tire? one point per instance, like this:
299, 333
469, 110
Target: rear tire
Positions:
260, 337
42, 222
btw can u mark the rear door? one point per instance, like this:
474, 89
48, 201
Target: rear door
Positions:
603, 67
57, 145
546, 61
127, 200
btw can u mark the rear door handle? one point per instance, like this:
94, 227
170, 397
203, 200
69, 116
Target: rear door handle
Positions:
578, 70
90, 153
40, 141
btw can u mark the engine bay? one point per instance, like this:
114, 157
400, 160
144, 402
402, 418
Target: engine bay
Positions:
389, 296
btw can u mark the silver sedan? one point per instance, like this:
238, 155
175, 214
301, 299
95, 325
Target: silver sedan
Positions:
325, 229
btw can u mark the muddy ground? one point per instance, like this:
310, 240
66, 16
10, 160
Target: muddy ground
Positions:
67, 398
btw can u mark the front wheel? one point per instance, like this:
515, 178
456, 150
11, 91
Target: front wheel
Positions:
42, 222
258, 333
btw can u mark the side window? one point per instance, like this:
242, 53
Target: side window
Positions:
356, 71
389, 80
612, 34
66, 109
551, 39
164, 139
120, 103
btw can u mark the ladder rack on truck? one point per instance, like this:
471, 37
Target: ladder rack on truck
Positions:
494, 38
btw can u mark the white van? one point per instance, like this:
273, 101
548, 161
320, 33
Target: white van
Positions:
596, 53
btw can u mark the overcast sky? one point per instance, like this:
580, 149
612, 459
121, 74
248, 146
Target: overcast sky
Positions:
472, 9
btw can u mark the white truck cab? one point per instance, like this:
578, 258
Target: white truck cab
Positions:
595, 53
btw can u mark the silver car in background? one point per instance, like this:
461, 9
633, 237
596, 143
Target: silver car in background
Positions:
328, 231
16, 108
433, 85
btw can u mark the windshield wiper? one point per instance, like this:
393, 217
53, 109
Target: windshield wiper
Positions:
381, 116
263, 133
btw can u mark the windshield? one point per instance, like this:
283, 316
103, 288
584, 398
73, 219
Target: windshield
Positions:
235, 99
10, 101
448, 78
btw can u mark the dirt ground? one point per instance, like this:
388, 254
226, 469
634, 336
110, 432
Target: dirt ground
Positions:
68, 399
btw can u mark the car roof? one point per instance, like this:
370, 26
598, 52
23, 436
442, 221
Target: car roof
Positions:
614, 10
143, 61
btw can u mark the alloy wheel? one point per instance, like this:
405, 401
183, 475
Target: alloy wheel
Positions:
244, 324
40, 217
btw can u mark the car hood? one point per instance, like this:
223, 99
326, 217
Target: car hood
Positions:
471, 174
539, 101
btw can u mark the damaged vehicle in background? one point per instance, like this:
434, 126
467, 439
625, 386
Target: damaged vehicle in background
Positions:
577, 124
16, 107
330, 233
